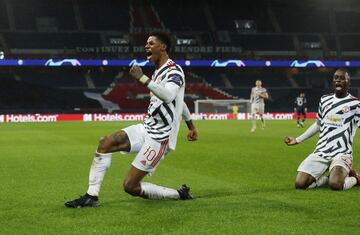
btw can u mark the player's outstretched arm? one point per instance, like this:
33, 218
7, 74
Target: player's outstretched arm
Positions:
312, 130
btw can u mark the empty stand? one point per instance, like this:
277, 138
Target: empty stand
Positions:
226, 13
105, 15
4, 22
25, 40
27, 13
303, 20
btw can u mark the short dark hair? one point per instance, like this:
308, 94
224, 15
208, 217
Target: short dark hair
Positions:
164, 38
344, 70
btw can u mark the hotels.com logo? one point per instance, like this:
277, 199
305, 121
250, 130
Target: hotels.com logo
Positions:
87, 117
30, 118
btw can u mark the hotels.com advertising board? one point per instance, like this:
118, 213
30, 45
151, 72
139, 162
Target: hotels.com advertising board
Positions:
100, 117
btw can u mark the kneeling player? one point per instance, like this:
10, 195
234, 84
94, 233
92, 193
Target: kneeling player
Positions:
337, 121
153, 138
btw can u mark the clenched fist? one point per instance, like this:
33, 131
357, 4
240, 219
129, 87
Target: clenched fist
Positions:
136, 72
290, 140
192, 135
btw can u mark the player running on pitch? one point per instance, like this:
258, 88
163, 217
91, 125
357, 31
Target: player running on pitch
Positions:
153, 138
337, 121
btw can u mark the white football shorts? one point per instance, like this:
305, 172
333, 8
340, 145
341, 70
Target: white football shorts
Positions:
257, 108
316, 166
149, 151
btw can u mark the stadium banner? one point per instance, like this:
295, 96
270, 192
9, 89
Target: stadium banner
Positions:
106, 117
185, 63
176, 49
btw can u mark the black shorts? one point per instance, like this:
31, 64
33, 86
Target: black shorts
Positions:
300, 111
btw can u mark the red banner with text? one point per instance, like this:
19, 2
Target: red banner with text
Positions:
99, 117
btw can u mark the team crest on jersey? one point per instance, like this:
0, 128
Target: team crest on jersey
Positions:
345, 109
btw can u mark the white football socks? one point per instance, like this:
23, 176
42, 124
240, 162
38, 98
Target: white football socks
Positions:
349, 183
98, 169
320, 182
253, 121
152, 191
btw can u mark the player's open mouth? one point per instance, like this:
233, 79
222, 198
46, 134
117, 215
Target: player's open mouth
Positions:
338, 86
148, 54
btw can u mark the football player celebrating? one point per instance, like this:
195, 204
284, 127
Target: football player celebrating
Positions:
338, 118
153, 138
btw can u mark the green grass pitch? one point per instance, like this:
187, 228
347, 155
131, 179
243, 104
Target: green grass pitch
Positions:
242, 181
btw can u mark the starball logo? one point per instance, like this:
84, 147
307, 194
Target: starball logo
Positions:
307, 63
228, 63
72, 62
139, 62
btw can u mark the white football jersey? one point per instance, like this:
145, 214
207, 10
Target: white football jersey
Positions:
339, 120
164, 119
255, 91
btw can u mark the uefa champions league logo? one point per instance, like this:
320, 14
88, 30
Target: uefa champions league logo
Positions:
228, 63
64, 62
139, 63
308, 63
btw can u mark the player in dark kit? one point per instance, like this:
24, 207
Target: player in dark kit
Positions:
300, 109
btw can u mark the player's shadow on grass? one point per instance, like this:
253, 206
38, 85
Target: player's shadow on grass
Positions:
220, 192
214, 193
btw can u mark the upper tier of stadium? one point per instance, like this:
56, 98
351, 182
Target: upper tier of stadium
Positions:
256, 28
